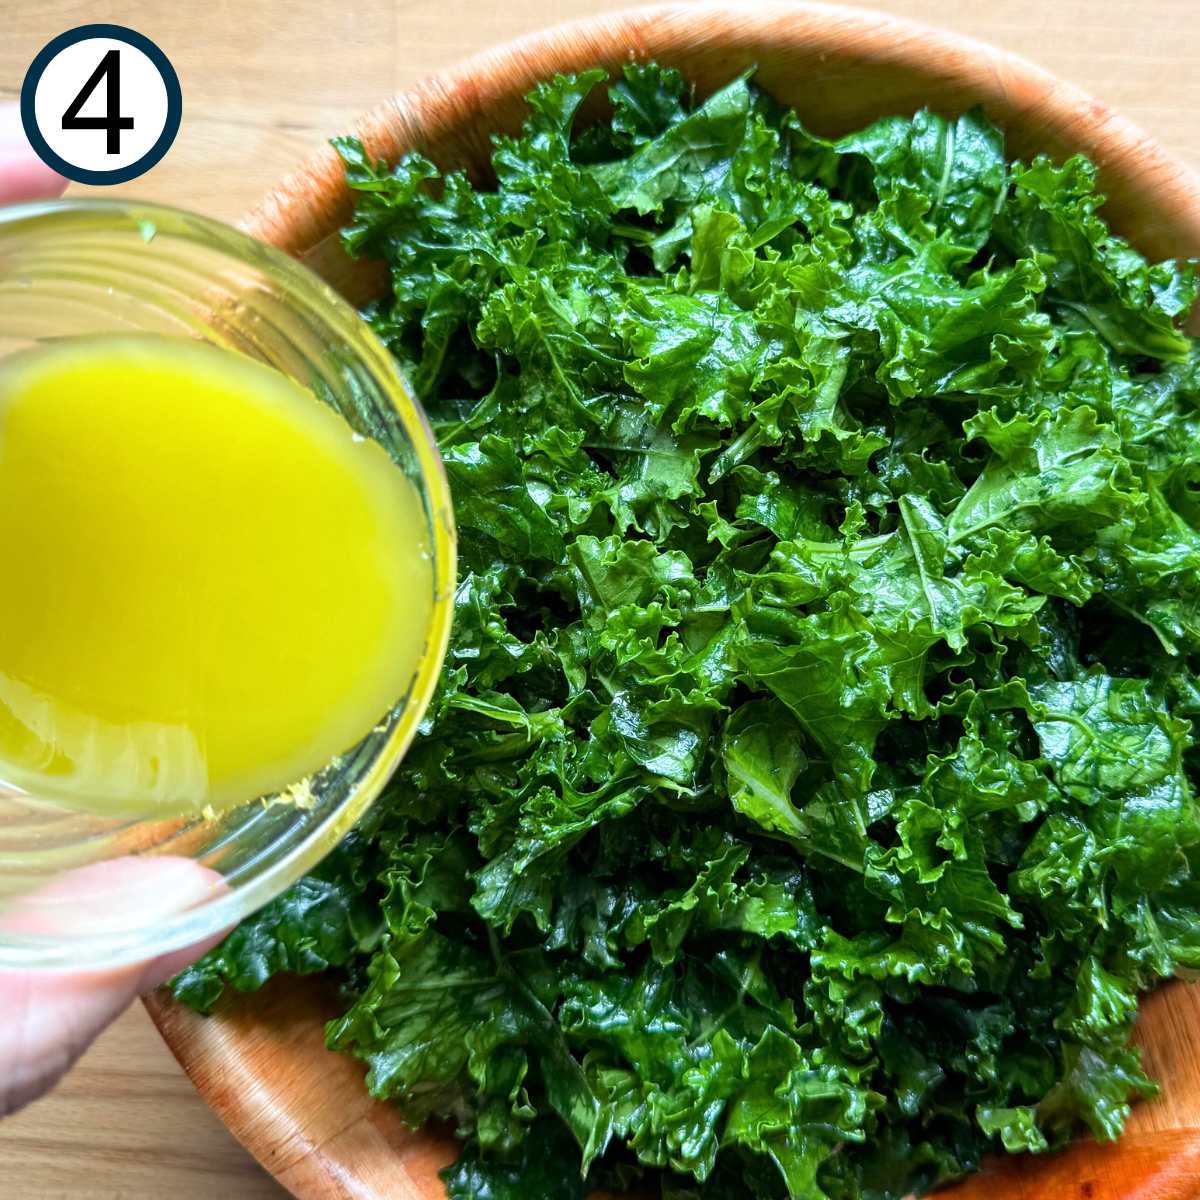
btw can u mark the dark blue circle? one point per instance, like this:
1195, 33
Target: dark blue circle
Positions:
130, 37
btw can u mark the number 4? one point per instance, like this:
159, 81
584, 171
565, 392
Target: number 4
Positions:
112, 122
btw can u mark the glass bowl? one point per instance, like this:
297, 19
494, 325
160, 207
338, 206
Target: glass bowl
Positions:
85, 267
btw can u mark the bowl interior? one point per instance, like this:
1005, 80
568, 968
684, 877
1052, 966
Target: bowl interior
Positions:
261, 1063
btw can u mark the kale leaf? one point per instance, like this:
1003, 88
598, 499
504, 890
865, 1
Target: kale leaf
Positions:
810, 790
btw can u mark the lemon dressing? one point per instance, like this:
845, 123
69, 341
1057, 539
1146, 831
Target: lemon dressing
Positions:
214, 586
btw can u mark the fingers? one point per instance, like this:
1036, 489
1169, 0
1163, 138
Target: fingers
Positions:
50, 1017
23, 176
112, 895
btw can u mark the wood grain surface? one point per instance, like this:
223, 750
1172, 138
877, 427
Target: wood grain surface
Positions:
265, 81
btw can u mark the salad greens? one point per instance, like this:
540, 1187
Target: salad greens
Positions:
810, 790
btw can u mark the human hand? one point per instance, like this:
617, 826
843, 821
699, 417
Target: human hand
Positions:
50, 1017
23, 176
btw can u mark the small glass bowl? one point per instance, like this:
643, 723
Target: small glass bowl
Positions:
85, 267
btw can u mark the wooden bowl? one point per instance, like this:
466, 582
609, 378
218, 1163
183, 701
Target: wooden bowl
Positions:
261, 1062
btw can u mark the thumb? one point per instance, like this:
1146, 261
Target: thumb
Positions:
23, 176
50, 1017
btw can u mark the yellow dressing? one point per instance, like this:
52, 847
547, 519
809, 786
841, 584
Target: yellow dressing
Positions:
211, 585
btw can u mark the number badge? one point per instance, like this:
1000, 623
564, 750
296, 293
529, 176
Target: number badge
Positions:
101, 104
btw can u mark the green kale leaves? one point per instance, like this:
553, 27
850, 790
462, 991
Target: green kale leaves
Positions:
810, 789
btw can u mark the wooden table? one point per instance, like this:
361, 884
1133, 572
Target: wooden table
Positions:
263, 82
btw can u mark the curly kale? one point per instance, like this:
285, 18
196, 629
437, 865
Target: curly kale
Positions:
810, 791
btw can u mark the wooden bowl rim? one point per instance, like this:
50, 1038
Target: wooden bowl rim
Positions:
312, 202
309, 205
